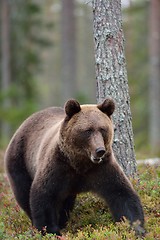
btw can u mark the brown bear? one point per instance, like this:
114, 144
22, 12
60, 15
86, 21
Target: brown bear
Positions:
56, 154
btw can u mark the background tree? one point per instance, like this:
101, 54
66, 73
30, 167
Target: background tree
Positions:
68, 40
111, 76
154, 80
5, 50
136, 48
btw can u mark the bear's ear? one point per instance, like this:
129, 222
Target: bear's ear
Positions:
72, 107
107, 107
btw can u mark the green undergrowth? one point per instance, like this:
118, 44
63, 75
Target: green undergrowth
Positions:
90, 219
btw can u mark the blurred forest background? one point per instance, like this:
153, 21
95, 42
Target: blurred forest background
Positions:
47, 56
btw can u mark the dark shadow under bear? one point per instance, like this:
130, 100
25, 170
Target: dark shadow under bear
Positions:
56, 154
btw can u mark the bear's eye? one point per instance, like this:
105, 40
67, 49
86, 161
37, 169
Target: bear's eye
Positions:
88, 131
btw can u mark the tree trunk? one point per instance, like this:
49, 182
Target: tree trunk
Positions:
112, 77
5, 45
154, 81
68, 50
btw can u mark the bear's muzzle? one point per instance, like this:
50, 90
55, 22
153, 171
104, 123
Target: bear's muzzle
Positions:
99, 155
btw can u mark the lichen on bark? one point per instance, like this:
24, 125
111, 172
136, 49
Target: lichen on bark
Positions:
111, 76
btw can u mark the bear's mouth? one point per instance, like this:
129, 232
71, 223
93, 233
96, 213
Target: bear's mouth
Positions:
96, 160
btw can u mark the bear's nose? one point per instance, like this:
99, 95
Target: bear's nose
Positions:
100, 152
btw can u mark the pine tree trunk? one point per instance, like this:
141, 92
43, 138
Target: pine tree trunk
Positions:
154, 81
5, 45
68, 50
111, 76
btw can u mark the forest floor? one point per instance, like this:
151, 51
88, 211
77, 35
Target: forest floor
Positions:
90, 219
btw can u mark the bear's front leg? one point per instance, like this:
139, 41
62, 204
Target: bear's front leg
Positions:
44, 210
120, 196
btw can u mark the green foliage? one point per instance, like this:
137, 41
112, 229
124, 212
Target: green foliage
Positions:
26, 43
90, 219
24, 58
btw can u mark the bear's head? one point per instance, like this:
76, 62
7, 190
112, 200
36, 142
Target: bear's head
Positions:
87, 132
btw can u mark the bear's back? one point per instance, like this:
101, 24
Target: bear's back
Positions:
38, 123
29, 136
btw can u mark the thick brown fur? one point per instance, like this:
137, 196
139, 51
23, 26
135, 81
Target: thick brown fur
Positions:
56, 154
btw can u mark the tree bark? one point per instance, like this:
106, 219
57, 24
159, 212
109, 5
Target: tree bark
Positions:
154, 80
68, 50
111, 76
5, 45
